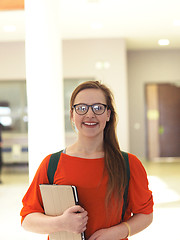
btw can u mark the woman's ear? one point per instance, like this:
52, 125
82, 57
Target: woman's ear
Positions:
108, 115
71, 115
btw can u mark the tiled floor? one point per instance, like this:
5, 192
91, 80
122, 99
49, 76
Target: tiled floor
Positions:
164, 181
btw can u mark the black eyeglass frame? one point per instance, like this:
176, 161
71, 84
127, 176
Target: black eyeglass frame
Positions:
88, 106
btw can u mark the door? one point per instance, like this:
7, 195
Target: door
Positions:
163, 120
169, 120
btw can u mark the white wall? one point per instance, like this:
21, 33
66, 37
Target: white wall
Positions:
158, 66
12, 61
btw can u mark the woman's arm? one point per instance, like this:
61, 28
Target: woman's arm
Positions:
137, 223
70, 221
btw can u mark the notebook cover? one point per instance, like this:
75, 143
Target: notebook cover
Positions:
56, 199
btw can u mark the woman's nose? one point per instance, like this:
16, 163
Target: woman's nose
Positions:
90, 112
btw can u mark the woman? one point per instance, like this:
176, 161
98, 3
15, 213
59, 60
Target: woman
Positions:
94, 164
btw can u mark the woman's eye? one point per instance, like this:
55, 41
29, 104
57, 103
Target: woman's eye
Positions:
97, 108
82, 108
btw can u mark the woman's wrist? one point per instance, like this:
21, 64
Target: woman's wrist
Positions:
128, 229
57, 224
122, 231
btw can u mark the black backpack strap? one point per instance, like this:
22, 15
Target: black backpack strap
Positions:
125, 156
53, 162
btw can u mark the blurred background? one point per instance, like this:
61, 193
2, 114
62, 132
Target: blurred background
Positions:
132, 45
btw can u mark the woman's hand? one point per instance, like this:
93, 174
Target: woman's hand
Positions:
74, 219
103, 234
116, 233
137, 223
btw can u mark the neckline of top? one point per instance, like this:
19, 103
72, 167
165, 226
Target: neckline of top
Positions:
83, 158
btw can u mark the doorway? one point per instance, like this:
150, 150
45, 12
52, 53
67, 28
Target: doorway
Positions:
162, 121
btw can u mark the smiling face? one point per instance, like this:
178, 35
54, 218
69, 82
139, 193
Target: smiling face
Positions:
90, 124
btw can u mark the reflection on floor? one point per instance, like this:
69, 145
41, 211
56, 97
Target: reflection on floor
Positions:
164, 179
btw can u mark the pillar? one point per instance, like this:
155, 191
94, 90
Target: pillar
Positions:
44, 80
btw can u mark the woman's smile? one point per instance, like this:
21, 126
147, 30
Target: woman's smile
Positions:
90, 124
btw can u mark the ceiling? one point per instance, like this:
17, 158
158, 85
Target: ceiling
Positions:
141, 22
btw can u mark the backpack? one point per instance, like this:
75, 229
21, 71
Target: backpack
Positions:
53, 162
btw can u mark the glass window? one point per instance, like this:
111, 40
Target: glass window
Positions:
13, 106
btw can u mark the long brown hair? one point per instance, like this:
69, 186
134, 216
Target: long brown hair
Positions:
114, 161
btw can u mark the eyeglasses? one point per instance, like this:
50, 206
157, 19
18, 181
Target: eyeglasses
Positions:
97, 108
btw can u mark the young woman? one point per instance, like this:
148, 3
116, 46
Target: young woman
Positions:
95, 165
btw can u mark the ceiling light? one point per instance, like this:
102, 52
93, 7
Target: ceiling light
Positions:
9, 28
6, 121
5, 110
163, 42
99, 65
96, 25
102, 65
106, 65
93, 1
176, 22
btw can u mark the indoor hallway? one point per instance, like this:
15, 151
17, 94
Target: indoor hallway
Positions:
164, 179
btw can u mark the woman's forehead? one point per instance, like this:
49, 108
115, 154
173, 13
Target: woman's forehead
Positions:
90, 96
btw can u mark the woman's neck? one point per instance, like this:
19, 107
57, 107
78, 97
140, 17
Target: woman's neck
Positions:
87, 147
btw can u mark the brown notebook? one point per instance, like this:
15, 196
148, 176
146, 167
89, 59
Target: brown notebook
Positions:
56, 199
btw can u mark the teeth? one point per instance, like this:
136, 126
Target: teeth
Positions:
90, 124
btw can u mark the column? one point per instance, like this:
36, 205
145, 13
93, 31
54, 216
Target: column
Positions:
44, 80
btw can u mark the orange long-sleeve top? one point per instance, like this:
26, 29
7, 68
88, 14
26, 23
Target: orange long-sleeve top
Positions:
91, 182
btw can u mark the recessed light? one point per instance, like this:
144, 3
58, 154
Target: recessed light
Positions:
102, 65
106, 65
93, 1
163, 42
176, 22
96, 25
9, 28
99, 65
